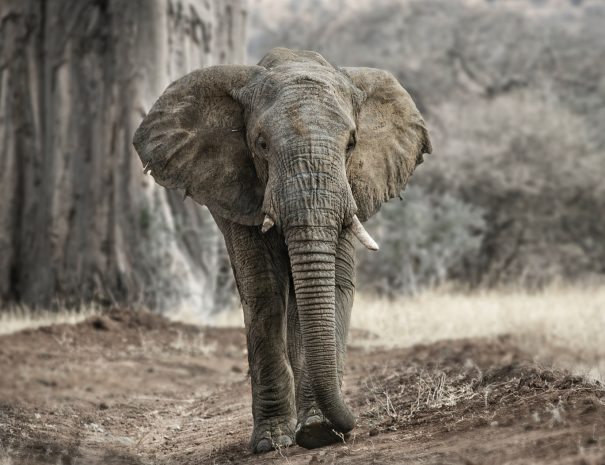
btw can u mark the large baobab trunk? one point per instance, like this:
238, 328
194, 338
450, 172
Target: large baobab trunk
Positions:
79, 221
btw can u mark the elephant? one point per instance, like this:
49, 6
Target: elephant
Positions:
290, 156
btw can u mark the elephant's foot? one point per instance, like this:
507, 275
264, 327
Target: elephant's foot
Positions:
315, 431
272, 434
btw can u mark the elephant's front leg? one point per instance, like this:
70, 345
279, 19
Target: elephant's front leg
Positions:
312, 429
260, 267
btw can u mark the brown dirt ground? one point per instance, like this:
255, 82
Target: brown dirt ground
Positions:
132, 388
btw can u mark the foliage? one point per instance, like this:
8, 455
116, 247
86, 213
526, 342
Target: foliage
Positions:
421, 240
514, 97
537, 174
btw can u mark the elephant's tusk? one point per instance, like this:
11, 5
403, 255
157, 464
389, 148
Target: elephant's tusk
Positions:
361, 234
267, 224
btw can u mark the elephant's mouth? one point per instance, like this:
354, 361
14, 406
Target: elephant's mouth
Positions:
356, 228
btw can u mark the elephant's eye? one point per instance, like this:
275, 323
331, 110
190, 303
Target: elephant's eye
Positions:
262, 143
351, 143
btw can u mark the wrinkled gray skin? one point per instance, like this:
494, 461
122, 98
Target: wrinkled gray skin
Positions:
309, 145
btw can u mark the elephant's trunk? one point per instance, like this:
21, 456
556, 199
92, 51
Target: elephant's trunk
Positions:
313, 199
313, 268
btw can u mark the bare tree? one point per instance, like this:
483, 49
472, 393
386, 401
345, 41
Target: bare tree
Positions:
79, 221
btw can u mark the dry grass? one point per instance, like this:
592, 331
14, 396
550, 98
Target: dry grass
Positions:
16, 318
571, 319
430, 390
231, 318
452, 386
575, 316
568, 318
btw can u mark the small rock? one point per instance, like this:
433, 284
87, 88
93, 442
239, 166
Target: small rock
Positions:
95, 427
589, 409
48, 383
103, 406
100, 324
373, 432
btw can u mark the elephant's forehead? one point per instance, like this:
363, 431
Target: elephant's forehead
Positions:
301, 100
297, 78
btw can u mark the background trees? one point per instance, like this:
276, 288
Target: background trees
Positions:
513, 93
514, 96
79, 221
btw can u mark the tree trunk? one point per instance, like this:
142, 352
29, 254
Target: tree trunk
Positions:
79, 221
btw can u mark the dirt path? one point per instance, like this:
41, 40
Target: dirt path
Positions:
132, 388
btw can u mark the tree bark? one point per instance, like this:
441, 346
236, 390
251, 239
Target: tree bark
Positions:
79, 221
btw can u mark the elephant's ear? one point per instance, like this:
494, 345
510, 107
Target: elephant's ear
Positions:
194, 138
391, 138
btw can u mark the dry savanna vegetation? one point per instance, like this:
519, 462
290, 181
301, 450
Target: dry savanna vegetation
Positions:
478, 332
513, 96
438, 378
560, 324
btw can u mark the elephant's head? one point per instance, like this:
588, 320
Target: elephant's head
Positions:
297, 144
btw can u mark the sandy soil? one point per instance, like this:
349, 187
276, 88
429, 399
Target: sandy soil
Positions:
133, 388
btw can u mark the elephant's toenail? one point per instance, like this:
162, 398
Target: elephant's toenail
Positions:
264, 445
312, 420
284, 441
